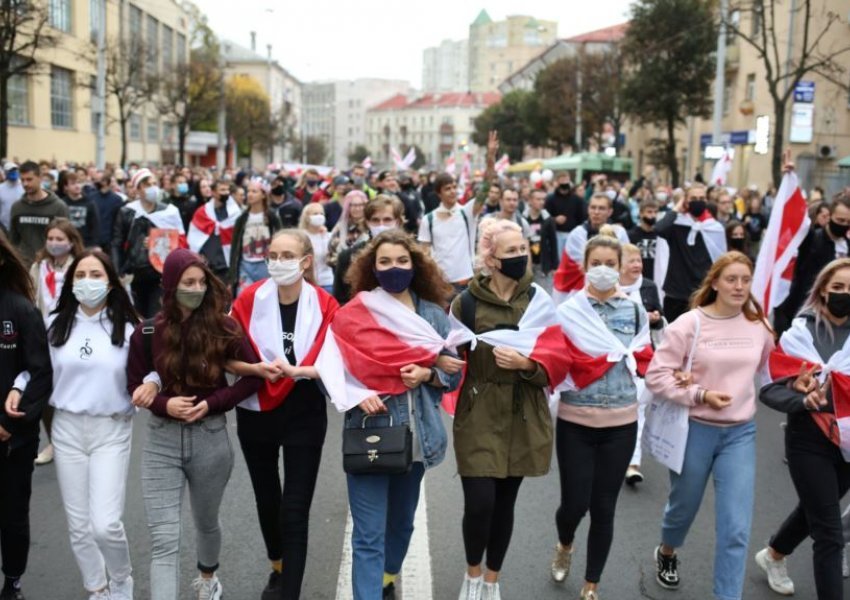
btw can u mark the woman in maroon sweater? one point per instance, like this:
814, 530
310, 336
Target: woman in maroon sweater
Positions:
187, 345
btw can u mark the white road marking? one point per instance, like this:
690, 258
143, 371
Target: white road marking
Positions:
416, 579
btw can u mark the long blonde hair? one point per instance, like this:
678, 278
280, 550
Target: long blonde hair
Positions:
815, 304
706, 294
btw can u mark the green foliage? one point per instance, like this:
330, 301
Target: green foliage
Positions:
357, 155
516, 119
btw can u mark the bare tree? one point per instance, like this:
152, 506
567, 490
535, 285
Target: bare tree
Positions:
24, 30
812, 55
128, 82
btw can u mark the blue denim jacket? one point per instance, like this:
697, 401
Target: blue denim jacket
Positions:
615, 389
429, 431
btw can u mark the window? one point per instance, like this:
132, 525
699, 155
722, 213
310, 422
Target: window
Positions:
751, 87
153, 130
755, 23
93, 102
168, 132
94, 17
181, 49
135, 128
152, 43
167, 47
61, 100
135, 26
60, 15
19, 98
727, 97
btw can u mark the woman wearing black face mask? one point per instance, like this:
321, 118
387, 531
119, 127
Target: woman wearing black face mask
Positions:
736, 237
394, 278
818, 467
502, 426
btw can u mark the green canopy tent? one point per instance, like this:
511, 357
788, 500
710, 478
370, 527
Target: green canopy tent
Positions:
844, 163
594, 162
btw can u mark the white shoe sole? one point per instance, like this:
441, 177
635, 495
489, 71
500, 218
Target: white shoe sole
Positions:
759, 558
658, 580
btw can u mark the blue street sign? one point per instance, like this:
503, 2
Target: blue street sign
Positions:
804, 91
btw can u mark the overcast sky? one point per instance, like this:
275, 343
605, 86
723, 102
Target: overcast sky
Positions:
339, 39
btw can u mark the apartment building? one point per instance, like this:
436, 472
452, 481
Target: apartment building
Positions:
445, 68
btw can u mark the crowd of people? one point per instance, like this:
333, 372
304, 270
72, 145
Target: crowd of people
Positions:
541, 314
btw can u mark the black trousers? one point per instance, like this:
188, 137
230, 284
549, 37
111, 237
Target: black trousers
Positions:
821, 478
673, 308
283, 511
16, 474
488, 518
147, 295
592, 463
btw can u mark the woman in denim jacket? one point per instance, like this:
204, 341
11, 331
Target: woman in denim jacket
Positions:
597, 422
383, 506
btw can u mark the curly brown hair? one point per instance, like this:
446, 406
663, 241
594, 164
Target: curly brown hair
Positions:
206, 337
428, 282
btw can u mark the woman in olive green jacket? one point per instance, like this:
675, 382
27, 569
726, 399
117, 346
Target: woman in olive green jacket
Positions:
502, 425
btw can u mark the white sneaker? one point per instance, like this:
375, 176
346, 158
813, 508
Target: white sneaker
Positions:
45, 456
491, 591
777, 573
207, 589
121, 590
101, 595
471, 588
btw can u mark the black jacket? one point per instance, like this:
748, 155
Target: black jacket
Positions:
84, 215
651, 300
549, 259
23, 347
186, 206
688, 264
569, 205
129, 252
412, 202
272, 220
816, 251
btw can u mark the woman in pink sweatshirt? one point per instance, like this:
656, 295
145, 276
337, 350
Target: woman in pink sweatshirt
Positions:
733, 345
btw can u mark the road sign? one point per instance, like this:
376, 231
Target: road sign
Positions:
804, 92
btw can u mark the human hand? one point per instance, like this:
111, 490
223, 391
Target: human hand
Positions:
271, 371
509, 359
197, 412
12, 402
413, 375
806, 382
449, 364
144, 394
787, 163
179, 407
4, 435
654, 316
492, 143
717, 400
372, 406
561, 219
683, 378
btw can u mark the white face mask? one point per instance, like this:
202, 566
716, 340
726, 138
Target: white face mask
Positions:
375, 230
90, 292
152, 194
317, 220
603, 278
285, 272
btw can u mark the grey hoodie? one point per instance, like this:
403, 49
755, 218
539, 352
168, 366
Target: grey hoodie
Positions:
29, 220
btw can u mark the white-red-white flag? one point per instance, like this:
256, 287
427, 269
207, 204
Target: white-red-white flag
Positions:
465, 176
502, 164
367, 163
205, 223
569, 276
370, 340
450, 166
409, 158
720, 173
789, 223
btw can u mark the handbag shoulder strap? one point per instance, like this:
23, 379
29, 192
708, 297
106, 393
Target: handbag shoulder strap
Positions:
694, 343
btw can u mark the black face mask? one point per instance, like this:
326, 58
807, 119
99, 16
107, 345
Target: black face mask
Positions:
838, 304
514, 267
564, 188
838, 230
696, 208
278, 191
649, 220
736, 244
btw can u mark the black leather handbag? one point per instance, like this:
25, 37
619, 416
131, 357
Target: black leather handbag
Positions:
377, 450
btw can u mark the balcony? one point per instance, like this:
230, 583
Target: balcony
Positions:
733, 57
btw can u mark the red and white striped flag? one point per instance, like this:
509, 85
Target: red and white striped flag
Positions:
720, 173
797, 348
788, 226
569, 276
257, 310
367, 163
502, 164
398, 161
409, 158
204, 224
537, 336
592, 347
465, 176
167, 218
370, 340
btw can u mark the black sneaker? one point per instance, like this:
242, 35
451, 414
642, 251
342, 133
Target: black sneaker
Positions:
10, 593
667, 570
273, 589
389, 592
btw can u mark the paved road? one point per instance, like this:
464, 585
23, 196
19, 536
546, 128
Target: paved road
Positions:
437, 562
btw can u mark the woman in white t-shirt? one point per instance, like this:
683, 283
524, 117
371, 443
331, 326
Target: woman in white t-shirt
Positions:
252, 235
313, 222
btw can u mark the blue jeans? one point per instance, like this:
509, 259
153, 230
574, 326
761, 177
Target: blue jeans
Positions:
382, 511
728, 453
562, 242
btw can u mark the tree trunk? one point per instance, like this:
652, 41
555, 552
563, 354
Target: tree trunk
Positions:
123, 124
672, 163
181, 145
778, 140
4, 113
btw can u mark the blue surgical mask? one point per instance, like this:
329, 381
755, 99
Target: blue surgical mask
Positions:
394, 280
13, 175
45, 185
183, 188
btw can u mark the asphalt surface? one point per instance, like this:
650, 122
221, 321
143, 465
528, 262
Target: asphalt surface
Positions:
53, 573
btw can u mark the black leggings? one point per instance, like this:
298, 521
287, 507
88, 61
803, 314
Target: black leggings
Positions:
488, 518
592, 463
821, 478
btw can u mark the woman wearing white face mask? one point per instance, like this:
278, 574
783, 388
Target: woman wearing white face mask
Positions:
285, 318
48, 274
92, 428
597, 414
313, 222
252, 234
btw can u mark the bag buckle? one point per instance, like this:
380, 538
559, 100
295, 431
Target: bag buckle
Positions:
372, 455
